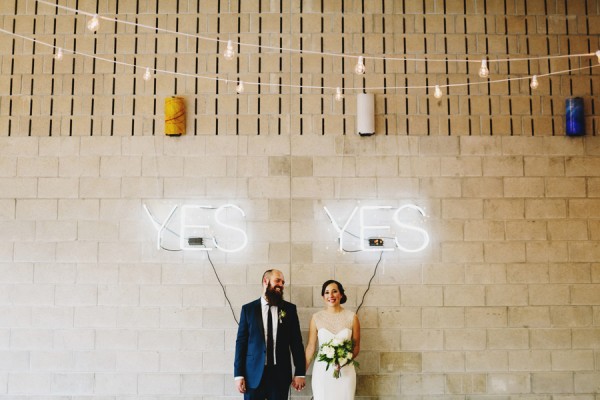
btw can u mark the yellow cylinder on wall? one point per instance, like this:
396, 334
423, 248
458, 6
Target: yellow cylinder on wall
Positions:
174, 116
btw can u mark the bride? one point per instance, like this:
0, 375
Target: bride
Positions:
334, 322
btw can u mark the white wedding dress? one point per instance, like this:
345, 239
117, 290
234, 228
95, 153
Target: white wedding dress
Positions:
324, 385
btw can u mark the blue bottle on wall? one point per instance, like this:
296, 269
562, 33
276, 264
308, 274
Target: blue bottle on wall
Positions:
574, 116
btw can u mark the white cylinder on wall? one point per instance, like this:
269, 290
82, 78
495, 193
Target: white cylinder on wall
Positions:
365, 114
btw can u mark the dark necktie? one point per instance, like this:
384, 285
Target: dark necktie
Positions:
270, 358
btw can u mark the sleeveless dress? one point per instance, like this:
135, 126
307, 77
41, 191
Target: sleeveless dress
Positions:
324, 385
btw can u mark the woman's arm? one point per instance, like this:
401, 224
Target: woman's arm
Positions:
311, 347
356, 336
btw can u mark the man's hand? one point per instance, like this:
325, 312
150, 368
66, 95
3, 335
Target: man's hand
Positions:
298, 383
241, 385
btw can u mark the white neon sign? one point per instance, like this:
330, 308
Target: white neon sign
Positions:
367, 230
191, 225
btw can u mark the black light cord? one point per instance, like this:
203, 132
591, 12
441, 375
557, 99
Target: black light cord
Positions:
370, 280
222, 287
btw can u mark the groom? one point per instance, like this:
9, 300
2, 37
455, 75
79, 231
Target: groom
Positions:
269, 329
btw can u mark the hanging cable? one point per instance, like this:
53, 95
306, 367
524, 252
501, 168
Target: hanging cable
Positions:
370, 280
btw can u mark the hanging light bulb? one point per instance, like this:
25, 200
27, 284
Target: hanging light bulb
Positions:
147, 74
437, 92
359, 69
240, 87
534, 83
93, 23
338, 94
598, 55
229, 53
484, 71
59, 54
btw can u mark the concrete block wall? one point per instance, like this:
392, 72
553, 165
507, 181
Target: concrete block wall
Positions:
503, 303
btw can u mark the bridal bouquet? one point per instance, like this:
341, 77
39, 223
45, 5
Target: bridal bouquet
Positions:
337, 352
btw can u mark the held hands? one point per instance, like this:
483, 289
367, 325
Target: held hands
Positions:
298, 383
241, 385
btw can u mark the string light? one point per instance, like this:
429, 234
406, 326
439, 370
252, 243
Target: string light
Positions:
437, 92
307, 51
359, 69
229, 53
240, 87
59, 54
147, 74
484, 72
338, 94
93, 23
114, 61
534, 82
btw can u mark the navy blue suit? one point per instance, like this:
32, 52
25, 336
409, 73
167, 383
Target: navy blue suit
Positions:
251, 349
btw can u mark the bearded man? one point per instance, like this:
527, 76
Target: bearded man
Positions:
268, 332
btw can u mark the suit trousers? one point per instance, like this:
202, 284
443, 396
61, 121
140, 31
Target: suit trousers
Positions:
270, 387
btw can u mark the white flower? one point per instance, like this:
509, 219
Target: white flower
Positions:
329, 351
343, 361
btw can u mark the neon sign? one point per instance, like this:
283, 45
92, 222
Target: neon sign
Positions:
373, 226
199, 224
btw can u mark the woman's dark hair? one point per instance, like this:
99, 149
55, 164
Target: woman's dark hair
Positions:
340, 288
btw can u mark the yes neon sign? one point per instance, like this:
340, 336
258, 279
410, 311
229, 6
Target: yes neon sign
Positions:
199, 224
372, 223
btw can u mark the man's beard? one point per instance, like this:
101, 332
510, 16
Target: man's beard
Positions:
273, 296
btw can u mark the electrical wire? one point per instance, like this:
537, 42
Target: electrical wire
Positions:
370, 280
222, 287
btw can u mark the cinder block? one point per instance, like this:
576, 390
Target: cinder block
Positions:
37, 166
538, 317
137, 361
572, 360
516, 383
492, 360
555, 382
110, 382
29, 383
523, 360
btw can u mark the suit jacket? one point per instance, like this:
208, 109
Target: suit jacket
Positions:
251, 349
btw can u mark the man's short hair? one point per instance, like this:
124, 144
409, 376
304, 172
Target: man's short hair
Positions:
267, 275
